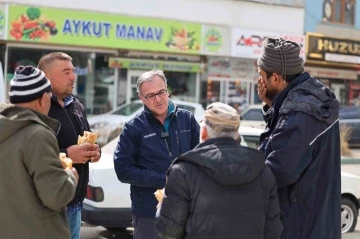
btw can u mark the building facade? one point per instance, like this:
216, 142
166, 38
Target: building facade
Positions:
333, 46
207, 48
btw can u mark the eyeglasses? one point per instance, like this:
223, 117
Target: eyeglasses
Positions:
161, 94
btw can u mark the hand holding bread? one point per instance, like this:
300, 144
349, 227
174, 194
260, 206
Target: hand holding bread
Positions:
159, 194
65, 161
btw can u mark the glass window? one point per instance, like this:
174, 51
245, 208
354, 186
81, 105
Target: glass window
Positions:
181, 85
128, 109
253, 114
94, 86
339, 11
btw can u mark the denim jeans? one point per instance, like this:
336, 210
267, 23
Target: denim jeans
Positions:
75, 223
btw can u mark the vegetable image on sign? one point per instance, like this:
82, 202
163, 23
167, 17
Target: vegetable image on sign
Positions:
213, 40
182, 40
32, 25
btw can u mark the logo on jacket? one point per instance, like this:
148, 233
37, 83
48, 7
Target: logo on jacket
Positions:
185, 131
149, 135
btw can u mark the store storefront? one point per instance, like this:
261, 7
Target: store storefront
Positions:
182, 78
230, 80
246, 47
335, 61
92, 39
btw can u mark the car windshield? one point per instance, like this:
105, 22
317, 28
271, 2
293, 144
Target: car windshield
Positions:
128, 109
253, 114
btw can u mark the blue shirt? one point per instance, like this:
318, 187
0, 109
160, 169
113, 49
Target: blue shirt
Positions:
67, 100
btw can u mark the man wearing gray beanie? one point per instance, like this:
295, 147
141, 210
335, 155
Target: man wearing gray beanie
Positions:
35, 188
301, 142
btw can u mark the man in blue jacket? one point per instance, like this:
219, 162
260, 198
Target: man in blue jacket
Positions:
148, 145
301, 142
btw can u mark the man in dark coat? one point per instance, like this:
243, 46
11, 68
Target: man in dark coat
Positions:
219, 189
301, 143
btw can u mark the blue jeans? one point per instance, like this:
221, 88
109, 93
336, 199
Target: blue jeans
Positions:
75, 223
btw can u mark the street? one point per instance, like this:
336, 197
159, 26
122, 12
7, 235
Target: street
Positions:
97, 232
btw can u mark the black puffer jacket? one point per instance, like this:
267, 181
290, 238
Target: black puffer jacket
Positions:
220, 190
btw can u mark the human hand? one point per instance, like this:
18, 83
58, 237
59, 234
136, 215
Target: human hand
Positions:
73, 170
82, 153
261, 91
96, 148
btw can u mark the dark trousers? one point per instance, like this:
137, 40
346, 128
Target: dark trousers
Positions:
144, 228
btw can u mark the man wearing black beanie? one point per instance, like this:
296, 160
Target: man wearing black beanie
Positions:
34, 187
301, 142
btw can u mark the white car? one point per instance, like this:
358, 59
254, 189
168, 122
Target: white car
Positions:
252, 117
108, 201
109, 125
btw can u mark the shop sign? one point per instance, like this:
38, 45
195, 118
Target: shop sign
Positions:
137, 64
3, 21
70, 27
332, 51
332, 73
248, 43
232, 68
216, 40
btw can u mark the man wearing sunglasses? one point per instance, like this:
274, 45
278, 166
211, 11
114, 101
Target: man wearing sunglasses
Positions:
148, 145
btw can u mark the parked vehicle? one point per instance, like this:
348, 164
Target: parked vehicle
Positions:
108, 201
350, 119
252, 117
109, 125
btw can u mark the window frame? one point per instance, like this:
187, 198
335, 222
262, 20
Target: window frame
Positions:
342, 13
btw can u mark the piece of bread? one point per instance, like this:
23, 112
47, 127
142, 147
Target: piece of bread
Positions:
88, 137
159, 194
66, 162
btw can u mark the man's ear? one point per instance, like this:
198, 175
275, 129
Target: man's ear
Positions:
203, 133
43, 99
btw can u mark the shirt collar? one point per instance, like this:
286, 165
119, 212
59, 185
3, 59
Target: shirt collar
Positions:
67, 100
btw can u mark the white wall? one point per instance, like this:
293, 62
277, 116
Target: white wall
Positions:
251, 15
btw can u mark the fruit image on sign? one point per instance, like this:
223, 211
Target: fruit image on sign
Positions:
213, 40
182, 40
32, 25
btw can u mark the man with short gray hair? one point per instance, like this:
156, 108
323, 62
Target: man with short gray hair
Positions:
148, 145
219, 189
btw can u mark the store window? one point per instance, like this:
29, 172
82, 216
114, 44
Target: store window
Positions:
339, 11
181, 85
94, 86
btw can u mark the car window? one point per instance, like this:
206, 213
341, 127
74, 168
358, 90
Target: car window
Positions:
253, 114
128, 109
187, 107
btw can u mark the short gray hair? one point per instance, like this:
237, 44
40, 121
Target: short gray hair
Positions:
215, 134
148, 76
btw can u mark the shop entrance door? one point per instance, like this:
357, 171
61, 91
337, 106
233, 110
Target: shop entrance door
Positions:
132, 78
340, 92
230, 91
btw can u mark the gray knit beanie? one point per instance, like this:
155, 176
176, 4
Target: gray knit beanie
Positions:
281, 57
28, 84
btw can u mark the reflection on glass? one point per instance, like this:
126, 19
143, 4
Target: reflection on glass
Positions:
337, 11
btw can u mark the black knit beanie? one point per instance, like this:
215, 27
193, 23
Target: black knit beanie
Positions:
281, 57
28, 84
